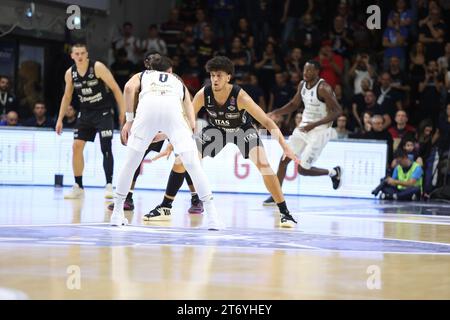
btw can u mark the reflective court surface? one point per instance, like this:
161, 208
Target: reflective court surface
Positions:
53, 248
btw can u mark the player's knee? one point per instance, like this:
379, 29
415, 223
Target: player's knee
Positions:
302, 171
178, 167
284, 162
78, 146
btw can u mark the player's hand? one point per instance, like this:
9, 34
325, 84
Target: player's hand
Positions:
288, 153
308, 127
165, 153
59, 127
125, 133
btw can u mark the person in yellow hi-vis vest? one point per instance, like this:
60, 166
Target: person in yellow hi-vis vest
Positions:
406, 180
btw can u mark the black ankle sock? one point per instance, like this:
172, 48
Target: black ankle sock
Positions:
167, 202
130, 196
283, 207
79, 181
188, 179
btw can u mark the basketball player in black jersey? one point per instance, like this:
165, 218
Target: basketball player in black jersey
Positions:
89, 78
229, 111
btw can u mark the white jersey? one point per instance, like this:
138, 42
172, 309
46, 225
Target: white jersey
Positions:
315, 109
161, 84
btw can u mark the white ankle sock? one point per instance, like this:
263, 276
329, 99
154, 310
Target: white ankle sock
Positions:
332, 172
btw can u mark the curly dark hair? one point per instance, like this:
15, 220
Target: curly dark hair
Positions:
220, 63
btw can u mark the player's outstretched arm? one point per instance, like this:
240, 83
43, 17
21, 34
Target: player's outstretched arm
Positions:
103, 73
289, 107
131, 87
65, 101
259, 115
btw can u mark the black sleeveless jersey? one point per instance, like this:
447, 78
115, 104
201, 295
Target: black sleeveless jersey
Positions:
228, 116
91, 90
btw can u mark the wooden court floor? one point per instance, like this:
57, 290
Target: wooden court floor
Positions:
52, 248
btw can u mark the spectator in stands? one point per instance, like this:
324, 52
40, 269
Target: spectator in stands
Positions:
379, 132
332, 65
128, 42
395, 40
251, 86
388, 98
11, 120
199, 24
187, 45
340, 131
153, 42
294, 61
406, 180
443, 132
281, 93
358, 103
429, 93
171, 31
192, 73
70, 118
399, 78
295, 79
7, 99
426, 138
432, 34
293, 11
408, 144
376, 109
269, 64
39, 118
222, 18
406, 16
206, 47
401, 128
341, 38
246, 36
444, 69
444, 61
122, 69
308, 37
241, 58
361, 69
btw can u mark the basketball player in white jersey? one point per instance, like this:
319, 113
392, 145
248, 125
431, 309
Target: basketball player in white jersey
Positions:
310, 137
164, 104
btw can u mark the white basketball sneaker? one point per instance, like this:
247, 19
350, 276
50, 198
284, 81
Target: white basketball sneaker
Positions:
118, 219
109, 191
214, 221
75, 193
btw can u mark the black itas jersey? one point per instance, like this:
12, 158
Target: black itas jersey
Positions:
228, 116
91, 90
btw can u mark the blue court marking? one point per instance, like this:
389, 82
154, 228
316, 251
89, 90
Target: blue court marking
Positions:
102, 235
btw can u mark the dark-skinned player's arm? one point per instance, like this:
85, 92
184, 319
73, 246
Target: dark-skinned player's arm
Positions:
65, 101
103, 73
289, 107
259, 115
334, 110
129, 95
